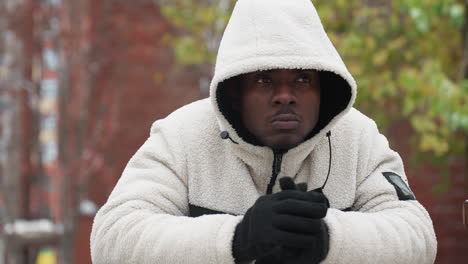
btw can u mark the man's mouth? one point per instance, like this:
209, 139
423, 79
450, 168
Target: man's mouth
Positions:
285, 122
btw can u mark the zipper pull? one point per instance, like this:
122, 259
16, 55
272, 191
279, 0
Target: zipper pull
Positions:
277, 164
275, 170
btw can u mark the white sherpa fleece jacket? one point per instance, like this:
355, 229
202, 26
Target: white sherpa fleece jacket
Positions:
185, 190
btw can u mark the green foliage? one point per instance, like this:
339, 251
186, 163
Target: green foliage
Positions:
406, 56
199, 26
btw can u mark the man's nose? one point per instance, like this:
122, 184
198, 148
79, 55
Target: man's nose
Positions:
284, 95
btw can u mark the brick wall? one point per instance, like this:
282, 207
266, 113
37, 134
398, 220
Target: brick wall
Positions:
444, 207
134, 77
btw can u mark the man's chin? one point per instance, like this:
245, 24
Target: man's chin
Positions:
284, 143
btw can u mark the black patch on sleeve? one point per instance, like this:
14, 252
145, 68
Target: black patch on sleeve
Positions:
196, 211
402, 189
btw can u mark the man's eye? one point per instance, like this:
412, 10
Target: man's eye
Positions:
263, 80
303, 79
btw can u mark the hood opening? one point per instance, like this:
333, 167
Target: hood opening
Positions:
226, 100
335, 95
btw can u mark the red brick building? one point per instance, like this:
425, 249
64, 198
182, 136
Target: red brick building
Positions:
118, 78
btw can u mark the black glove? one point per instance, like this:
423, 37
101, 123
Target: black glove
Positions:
290, 218
319, 249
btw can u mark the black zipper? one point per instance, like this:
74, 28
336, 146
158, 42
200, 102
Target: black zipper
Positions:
275, 170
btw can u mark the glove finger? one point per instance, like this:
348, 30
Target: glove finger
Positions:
289, 239
316, 197
299, 195
291, 194
302, 186
302, 255
320, 191
273, 257
300, 208
287, 183
291, 254
297, 224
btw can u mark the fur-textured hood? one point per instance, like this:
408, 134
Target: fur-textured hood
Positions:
278, 34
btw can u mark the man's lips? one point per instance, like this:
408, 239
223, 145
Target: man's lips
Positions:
285, 117
285, 122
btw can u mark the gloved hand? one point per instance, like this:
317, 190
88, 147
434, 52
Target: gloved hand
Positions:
291, 218
316, 252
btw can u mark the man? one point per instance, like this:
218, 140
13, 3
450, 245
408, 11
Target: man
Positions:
275, 167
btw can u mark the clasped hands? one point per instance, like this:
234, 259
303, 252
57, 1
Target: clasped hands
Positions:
284, 227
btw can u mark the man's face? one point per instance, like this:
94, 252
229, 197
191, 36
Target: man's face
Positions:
280, 107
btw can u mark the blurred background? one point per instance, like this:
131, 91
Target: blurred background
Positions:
82, 81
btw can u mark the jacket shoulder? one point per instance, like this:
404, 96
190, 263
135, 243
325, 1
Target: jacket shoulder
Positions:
355, 122
357, 117
193, 119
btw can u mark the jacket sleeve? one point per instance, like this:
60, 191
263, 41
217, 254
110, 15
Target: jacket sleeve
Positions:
381, 228
145, 218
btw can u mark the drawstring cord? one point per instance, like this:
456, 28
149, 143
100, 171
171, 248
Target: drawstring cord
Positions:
329, 160
225, 135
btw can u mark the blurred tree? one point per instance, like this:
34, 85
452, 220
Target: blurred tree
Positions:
18, 104
405, 71
407, 56
198, 27
50, 137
